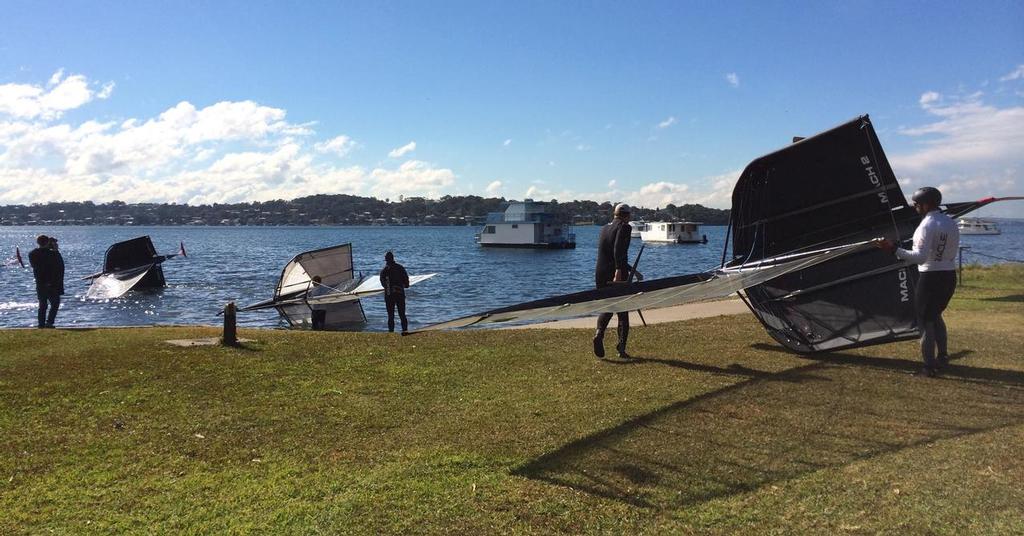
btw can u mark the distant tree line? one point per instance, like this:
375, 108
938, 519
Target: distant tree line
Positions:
329, 210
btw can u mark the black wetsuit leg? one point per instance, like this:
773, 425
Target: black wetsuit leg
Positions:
389, 302
54, 299
400, 303
623, 328
933, 292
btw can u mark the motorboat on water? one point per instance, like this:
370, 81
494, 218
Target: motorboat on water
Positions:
674, 232
129, 265
338, 292
977, 226
527, 224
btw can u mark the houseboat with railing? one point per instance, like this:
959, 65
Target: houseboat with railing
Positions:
674, 232
527, 224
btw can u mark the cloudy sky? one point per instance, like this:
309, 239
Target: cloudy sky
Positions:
651, 102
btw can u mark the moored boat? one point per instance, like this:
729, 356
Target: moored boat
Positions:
977, 226
674, 232
527, 224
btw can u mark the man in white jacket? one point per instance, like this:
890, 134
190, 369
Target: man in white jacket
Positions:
935, 247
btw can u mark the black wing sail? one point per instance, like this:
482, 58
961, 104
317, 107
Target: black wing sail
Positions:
833, 188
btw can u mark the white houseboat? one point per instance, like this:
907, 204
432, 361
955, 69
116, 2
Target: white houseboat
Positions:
528, 224
638, 228
674, 232
975, 226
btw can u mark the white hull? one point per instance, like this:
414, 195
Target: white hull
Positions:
977, 227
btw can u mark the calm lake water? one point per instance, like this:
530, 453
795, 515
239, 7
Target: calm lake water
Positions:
242, 264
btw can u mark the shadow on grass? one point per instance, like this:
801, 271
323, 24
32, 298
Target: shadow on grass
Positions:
954, 372
1014, 298
773, 427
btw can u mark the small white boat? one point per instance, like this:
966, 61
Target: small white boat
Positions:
674, 232
977, 226
638, 227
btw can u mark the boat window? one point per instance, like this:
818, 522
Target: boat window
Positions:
489, 229
515, 225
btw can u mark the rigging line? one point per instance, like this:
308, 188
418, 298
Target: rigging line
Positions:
994, 256
848, 279
876, 162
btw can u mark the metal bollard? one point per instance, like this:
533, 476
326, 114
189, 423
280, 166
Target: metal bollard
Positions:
960, 264
230, 337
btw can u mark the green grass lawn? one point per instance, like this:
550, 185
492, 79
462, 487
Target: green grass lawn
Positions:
714, 429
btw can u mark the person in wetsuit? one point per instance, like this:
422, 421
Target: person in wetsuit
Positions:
395, 280
318, 313
613, 267
935, 246
48, 270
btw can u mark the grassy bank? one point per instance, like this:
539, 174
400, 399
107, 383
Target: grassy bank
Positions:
715, 428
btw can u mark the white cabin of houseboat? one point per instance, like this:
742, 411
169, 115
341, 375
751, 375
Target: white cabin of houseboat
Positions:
527, 224
674, 232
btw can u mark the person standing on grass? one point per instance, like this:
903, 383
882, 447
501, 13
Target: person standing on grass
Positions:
48, 270
395, 280
935, 246
613, 267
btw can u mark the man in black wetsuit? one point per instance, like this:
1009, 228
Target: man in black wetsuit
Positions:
395, 280
48, 270
613, 267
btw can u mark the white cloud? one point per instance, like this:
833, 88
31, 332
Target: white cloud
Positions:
970, 149
507, 142
733, 79
27, 101
582, 147
494, 188
225, 152
398, 152
413, 177
612, 183
668, 122
339, 146
927, 98
1016, 74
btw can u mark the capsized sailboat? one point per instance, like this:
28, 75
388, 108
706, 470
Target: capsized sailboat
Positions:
338, 292
129, 265
804, 220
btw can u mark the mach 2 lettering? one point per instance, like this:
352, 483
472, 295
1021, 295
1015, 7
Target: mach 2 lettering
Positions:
875, 181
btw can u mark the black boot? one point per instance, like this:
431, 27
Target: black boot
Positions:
599, 344
621, 347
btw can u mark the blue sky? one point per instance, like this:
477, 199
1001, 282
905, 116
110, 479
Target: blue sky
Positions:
651, 102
